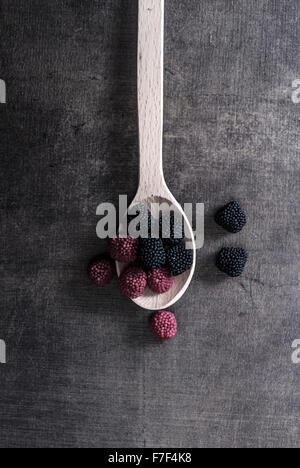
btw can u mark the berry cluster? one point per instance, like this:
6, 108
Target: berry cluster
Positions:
154, 262
132, 283
161, 259
168, 250
151, 261
231, 260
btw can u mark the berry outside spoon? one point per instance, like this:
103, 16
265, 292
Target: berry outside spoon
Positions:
152, 186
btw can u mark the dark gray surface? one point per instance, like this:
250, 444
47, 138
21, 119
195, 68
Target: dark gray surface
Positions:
83, 369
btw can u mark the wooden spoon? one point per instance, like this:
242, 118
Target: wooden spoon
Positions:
152, 185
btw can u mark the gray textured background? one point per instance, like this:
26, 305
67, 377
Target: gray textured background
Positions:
83, 369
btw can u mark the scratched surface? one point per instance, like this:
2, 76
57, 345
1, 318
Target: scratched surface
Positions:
83, 369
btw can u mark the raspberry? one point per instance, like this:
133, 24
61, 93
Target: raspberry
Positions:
160, 280
133, 282
163, 325
124, 249
101, 271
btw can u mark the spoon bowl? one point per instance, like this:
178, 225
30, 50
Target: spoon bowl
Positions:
153, 301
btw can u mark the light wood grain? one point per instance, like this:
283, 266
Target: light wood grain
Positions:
152, 186
150, 95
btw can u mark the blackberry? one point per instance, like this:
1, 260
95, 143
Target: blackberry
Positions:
231, 217
146, 219
232, 261
171, 230
151, 254
179, 259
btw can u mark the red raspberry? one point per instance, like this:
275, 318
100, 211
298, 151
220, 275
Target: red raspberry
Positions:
163, 325
160, 280
124, 249
101, 271
133, 282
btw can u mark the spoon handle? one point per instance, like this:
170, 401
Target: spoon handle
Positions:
150, 94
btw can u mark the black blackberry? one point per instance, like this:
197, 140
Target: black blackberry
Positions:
232, 261
145, 217
231, 217
171, 229
179, 259
151, 254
